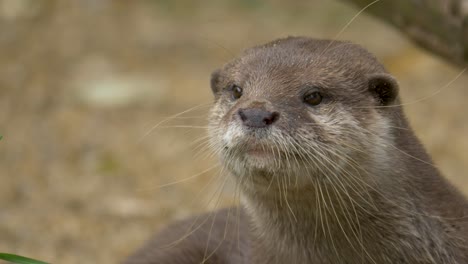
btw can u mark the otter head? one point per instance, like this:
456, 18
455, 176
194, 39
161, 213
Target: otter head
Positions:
300, 109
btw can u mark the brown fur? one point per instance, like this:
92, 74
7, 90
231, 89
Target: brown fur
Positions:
345, 181
219, 238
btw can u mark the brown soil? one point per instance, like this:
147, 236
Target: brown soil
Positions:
82, 82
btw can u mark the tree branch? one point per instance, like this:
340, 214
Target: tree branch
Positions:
440, 26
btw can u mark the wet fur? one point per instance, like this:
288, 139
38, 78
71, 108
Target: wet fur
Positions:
349, 182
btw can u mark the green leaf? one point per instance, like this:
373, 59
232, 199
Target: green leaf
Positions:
19, 259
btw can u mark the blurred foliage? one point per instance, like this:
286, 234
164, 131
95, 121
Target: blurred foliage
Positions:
19, 259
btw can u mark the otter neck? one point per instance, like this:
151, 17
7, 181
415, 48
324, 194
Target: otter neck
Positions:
325, 217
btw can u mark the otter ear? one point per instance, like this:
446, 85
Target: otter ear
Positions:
383, 87
215, 80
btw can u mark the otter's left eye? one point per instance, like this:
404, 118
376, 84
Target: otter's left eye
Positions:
236, 92
314, 98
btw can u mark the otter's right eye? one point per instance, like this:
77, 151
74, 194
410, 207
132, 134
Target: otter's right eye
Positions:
236, 92
314, 98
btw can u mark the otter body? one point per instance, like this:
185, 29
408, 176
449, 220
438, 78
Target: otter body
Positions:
329, 169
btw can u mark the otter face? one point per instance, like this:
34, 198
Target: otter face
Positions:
299, 107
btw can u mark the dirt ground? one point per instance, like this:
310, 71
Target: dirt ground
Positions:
83, 82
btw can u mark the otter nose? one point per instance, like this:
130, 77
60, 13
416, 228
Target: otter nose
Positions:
257, 118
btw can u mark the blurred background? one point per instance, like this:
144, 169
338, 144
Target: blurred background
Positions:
83, 82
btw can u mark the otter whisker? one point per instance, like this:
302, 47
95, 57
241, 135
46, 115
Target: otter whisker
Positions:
287, 203
185, 179
346, 213
190, 230
327, 223
337, 217
171, 117
184, 126
205, 256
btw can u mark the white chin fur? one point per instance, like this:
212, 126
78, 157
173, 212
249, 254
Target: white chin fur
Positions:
234, 136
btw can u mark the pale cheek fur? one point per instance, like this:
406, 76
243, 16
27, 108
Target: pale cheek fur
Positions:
337, 126
381, 142
232, 134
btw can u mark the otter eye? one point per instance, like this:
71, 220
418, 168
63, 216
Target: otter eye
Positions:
236, 92
314, 98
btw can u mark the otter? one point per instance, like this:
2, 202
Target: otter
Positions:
314, 134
